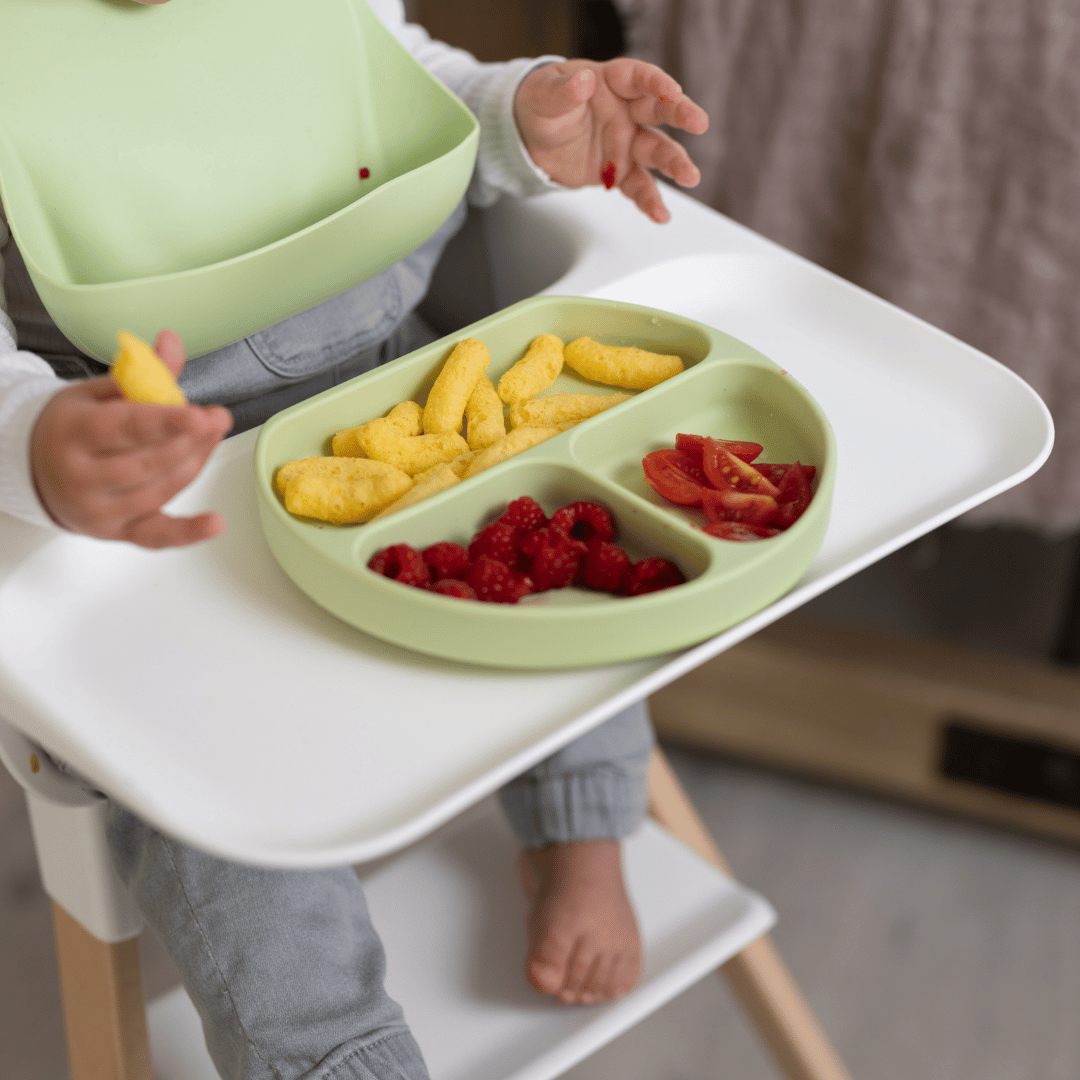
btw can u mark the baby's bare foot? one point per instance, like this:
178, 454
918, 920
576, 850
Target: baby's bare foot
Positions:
584, 946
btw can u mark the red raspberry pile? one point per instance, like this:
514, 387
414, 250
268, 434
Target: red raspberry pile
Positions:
522, 552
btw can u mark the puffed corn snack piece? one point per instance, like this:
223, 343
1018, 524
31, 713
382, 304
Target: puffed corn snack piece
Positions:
563, 408
619, 365
407, 418
445, 408
534, 372
142, 375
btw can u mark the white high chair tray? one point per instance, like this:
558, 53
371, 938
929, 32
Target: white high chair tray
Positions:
205, 691
455, 951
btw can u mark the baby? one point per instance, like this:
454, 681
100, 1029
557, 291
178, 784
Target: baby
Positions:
284, 966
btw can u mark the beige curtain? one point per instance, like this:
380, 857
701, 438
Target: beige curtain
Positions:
928, 150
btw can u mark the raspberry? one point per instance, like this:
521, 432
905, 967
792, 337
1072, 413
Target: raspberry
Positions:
531, 543
524, 515
401, 562
446, 560
650, 575
555, 558
584, 521
603, 566
497, 541
495, 582
452, 587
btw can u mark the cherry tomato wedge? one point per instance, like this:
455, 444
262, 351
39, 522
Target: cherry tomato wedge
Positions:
794, 495
740, 530
738, 506
675, 476
725, 470
695, 446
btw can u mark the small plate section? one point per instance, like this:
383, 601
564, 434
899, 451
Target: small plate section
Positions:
728, 390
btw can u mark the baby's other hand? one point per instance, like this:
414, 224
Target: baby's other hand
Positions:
588, 123
104, 466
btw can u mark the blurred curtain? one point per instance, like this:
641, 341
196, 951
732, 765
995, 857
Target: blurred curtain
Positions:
928, 150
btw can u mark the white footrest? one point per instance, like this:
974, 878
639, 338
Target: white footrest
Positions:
451, 914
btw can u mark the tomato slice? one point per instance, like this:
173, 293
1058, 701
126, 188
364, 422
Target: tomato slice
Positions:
795, 494
725, 470
773, 473
695, 446
738, 506
675, 476
740, 530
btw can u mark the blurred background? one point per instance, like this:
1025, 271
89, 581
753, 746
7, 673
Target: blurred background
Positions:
897, 765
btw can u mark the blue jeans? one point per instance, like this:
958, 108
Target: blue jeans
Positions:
285, 967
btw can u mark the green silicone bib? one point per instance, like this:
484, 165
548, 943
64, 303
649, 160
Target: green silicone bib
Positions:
216, 165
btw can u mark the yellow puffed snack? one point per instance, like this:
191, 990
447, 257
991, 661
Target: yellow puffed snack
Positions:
343, 502
534, 372
519, 439
427, 484
335, 468
563, 408
412, 453
484, 422
445, 406
615, 365
142, 375
406, 417
461, 463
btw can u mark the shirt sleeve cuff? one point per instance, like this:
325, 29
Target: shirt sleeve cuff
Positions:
20, 405
504, 166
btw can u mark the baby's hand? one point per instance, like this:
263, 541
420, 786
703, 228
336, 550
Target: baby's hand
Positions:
590, 123
105, 466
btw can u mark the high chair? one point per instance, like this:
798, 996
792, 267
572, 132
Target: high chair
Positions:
450, 913
846, 347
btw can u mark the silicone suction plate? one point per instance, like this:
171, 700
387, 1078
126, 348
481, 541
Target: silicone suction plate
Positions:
728, 390
197, 164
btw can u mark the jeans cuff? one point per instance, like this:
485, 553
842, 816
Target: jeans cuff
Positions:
395, 1056
601, 802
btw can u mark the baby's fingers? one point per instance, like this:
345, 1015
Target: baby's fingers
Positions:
654, 150
654, 97
157, 530
641, 188
121, 426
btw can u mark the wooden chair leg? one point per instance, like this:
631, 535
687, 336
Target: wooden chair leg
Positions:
757, 975
104, 1008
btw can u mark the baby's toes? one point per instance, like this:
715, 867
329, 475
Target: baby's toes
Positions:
547, 963
577, 974
625, 972
600, 984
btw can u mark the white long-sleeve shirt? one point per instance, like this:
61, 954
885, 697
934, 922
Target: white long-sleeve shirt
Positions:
503, 166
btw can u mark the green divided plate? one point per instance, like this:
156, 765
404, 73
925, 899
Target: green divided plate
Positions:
197, 164
728, 390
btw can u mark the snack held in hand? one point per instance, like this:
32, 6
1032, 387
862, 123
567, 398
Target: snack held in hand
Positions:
741, 499
142, 375
445, 408
614, 365
523, 552
563, 408
534, 372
